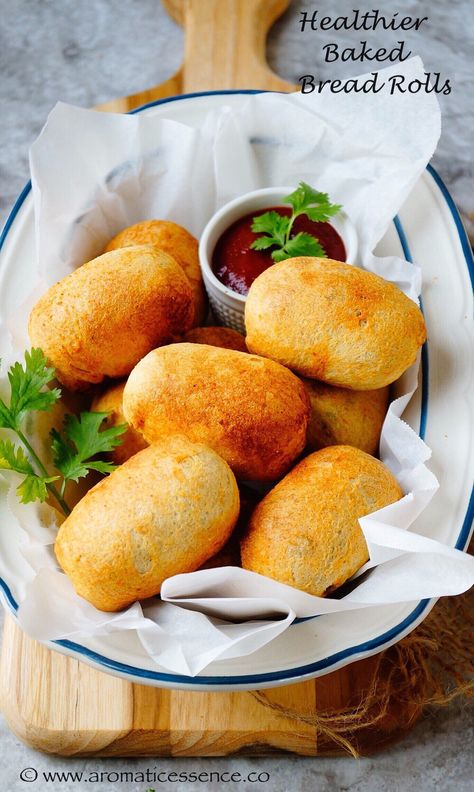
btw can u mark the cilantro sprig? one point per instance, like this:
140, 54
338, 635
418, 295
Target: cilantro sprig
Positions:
27, 390
33, 486
277, 228
73, 450
81, 441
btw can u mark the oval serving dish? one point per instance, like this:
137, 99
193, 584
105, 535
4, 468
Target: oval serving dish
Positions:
429, 230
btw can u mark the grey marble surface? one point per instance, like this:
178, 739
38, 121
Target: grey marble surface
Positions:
88, 51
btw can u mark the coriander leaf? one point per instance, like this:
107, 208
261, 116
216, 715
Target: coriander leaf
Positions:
316, 205
64, 457
101, 466
14, 458
28, 392
34, 488
263, 243
280, 255
267, 222
81, 440
302, 244
322, 212
27, 387
278, 228
273, 224
84, 433
6, 419
303, 196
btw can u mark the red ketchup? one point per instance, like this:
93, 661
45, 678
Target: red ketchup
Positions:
236, 265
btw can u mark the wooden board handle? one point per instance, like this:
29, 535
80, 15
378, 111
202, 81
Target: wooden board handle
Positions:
225, 48
225, 43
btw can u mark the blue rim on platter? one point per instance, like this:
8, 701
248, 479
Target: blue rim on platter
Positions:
335, 659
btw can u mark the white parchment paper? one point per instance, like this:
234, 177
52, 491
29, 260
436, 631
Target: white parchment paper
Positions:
94, 174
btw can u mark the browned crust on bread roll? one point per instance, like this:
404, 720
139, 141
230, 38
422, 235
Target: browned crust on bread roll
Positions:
333, 322
340, 416
100, 320
305, 532
177, 242
165, 511
111, 401
251, 410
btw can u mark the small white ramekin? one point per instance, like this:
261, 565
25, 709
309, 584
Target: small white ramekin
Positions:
227, 305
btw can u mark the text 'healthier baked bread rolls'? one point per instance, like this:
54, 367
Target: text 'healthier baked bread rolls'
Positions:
175, 240
340, 416
333, 322
165, 511
111, 402
102, 318
305, 532
251, 410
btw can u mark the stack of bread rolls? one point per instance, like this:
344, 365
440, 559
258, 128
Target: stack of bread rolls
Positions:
298, 406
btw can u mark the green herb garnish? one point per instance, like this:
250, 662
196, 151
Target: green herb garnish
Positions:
277, 228
33, 486
73, 449
82, 440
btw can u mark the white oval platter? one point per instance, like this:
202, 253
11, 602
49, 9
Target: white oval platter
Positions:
428, 230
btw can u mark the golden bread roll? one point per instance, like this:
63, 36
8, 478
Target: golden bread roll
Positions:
223, 337
132, 442
177, 242
105, 316
251, 410
340, 416
165, 511
305, 532
333, 322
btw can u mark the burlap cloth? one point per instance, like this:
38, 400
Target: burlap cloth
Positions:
429, 668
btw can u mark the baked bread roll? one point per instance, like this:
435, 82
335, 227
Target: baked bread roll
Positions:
305, 532
165, 511
251, 410
223, 337
105, 316
177, 242
333, 322
111, 401
340, 416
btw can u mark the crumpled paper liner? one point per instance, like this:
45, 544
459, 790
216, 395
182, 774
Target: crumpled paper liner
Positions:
92, 175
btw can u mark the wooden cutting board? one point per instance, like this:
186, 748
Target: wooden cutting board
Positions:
62, 706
